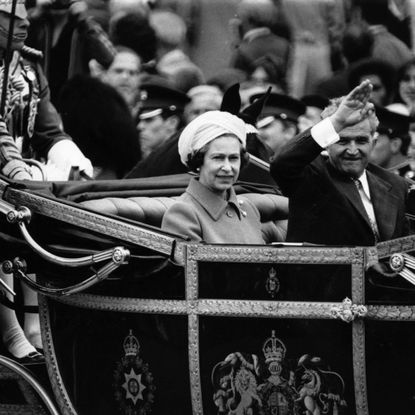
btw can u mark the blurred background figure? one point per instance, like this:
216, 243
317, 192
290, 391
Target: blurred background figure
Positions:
278, 122
380, 21
356, 45
100, 123
132, 29
69, 36
404, 101
259, 52
226, 77
316, 31
382, 76
118, 8
172, 61
203, 98
392, 143
161, 114
123, 74
315, 105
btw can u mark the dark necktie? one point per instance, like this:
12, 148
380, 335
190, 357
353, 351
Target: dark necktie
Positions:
368, 208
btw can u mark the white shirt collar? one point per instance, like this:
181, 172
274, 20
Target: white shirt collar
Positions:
365, 183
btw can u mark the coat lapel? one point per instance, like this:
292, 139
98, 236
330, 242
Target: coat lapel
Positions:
347, 188
384, 204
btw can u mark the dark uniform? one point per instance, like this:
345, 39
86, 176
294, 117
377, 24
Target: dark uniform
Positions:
393, 131
30, 125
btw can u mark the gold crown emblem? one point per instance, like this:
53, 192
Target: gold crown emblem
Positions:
131, 345
273, 349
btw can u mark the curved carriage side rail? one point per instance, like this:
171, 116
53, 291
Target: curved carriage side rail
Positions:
116, 254
135, 233
119, 253
28, 377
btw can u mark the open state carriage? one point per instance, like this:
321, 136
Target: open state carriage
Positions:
137, 321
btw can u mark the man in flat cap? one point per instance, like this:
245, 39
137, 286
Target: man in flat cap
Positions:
160, 114
278, 122
30, 125
392, 142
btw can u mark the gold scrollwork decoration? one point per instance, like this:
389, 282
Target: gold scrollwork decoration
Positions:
348, 311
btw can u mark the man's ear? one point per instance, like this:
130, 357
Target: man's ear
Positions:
396, 144
291, 129
96, 69
173, 122
375, 139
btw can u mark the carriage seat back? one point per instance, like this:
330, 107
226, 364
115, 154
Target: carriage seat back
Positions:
150, 210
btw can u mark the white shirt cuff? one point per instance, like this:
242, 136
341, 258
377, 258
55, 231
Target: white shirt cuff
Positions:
324, 133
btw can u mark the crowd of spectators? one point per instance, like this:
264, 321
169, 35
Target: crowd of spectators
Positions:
305, 50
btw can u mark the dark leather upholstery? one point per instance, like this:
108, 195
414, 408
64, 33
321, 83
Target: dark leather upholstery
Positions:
150, 210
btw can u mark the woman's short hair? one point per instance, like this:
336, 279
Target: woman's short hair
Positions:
195, 160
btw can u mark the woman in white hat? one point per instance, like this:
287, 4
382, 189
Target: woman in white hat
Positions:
213, 146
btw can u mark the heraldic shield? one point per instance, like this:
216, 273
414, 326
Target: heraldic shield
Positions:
274, 383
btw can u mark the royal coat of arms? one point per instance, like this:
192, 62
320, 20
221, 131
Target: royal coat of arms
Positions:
245, 384
133, 381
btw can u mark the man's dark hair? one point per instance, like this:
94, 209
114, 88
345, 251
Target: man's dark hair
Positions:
135, 32
393, 134
357, 43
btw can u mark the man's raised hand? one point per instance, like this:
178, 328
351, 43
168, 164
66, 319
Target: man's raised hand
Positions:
354, 107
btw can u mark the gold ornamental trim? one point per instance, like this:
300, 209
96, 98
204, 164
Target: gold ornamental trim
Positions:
55, 377
91, 221
194, 365
125, 305
270, 254
391, 312
359, 367
358, 276
205, 307
400, 245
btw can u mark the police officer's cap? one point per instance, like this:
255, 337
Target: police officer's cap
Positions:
280, 106
157, 96
317, 101
6, 6
392, 123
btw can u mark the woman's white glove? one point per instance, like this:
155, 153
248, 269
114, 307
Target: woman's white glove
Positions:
64, 155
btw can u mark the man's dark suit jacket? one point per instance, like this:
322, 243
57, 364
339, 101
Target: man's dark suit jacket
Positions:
325, 206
